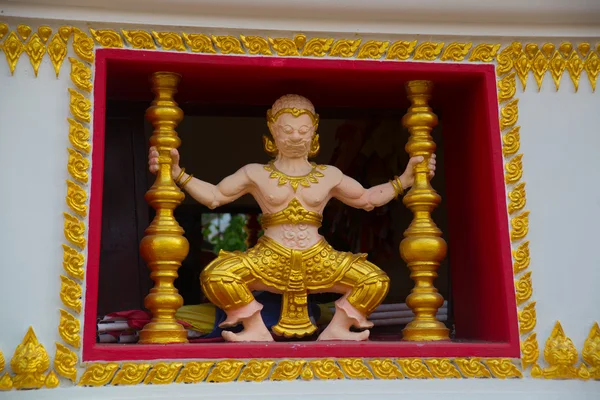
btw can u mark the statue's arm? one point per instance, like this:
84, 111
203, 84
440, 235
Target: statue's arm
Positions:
229, 189
352, 193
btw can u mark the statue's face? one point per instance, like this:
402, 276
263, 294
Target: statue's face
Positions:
293, 135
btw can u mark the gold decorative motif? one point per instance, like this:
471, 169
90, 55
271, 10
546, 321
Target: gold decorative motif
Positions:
45, 32
527, 318
442, 368
509, 114
70, 293
83, 45
507, 87
484, 52
326, 369
225, 371
288, 370
472, 368
141, 40
194, 372
256, 45
79, 136
107, 38
256, 370
414, 368
295, 181
317, 47
503, 368
524, 288
131, 374
514, 169
24, 31
506, 58
307, 373
456, 51
428, 51
65, 362
68, 329
561, 355
517, 198
401, 50
51, 380
385, 369
344, 48
575, 67
284, 47
12, 48
557, 65
199, 43
584, 48
78, 166
35, 49
3, 31
530, 350
228, 44
592, 68
76, 198
169, 40
423, 247
372, 49
80, 106
81, 75
65, 32
57, 51
591, 351
29, 363
6, 382
511, 141
73, 262
521, 257
355, 368
98, 374
74, 230
163, 373
519, 226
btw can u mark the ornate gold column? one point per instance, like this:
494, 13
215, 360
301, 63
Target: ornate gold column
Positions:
164, 247
422, 247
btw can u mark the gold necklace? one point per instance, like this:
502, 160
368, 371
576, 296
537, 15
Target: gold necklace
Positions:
294, 181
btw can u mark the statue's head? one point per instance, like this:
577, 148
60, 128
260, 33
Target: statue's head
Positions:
293, 124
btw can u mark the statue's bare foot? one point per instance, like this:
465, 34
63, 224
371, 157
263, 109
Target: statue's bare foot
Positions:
341, 333
255, 329
248, 335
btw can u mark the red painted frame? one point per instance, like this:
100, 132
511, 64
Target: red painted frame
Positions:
483, 287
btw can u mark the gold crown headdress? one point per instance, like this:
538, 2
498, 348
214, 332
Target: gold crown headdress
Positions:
270, 146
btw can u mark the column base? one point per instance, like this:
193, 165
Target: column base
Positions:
422, 331
163, 333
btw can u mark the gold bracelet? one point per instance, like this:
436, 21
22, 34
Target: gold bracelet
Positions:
180, 176
397, 185
189, 178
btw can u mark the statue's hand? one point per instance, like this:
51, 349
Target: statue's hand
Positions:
408, 177
153, 161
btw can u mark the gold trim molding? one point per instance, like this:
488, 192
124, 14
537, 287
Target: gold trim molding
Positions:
546, 61
513, 62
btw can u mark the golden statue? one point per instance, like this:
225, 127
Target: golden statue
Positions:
292, 258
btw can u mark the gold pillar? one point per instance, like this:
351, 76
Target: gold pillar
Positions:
422, 247
164, 247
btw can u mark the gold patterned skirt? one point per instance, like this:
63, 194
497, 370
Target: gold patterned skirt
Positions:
227, 281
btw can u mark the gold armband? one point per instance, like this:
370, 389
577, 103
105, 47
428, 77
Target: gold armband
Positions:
397, 185
180, 176
189, 178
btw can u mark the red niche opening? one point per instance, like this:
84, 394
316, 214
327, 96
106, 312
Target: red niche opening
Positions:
485, 311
